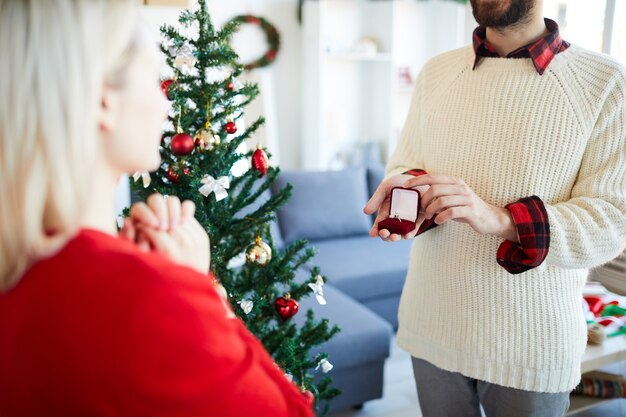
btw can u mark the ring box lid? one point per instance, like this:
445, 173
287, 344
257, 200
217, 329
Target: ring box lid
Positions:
404, 204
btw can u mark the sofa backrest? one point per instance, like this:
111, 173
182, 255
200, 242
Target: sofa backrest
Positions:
324, 204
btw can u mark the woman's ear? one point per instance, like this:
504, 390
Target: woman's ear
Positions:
106, 111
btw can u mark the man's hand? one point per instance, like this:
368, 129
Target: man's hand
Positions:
451, 199
381, 202
169, 227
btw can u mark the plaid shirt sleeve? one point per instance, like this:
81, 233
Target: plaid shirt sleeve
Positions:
531, 220
427, 224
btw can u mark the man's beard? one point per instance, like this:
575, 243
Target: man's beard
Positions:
487, 14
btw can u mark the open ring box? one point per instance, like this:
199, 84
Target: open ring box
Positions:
405, 205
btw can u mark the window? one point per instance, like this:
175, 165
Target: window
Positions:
618, 44
599, 25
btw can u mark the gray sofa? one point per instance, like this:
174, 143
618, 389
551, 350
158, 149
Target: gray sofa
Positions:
365, 275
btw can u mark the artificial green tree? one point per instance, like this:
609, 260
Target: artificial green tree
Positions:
199, 150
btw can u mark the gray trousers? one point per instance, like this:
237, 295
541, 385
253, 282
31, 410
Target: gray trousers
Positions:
450, 394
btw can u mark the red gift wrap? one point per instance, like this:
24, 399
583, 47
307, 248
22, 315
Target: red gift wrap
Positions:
405, 205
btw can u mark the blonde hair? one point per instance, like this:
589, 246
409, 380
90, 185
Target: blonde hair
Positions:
56, 57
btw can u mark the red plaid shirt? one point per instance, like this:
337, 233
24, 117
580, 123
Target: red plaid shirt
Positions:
542, 52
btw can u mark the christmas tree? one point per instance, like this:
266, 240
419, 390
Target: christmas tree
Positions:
199, 149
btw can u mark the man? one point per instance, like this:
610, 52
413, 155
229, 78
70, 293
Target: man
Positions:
518, 144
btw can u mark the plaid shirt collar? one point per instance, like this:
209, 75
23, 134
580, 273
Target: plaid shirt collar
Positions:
542, 52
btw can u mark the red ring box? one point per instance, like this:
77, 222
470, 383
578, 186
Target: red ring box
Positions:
405, 206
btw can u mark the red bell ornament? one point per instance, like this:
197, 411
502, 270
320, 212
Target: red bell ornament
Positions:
182, 144
286, 307
260, 161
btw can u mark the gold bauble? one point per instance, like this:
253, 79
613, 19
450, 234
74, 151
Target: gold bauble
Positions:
259, 252
207, 139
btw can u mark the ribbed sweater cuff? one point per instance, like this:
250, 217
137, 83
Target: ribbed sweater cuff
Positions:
533, 228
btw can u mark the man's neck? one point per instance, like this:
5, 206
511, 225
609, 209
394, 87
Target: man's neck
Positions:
507, 40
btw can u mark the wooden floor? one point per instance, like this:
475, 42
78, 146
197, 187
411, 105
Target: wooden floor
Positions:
400, 396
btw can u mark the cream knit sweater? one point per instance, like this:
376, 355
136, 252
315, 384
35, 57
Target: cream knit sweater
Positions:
511, 133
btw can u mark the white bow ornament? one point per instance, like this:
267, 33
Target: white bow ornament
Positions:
184, 58
246, 305
217, 186
326, 366
318, 290
145, 176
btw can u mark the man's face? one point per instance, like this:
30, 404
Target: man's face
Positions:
501, 13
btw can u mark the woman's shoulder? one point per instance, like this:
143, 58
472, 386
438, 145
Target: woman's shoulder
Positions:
96, 261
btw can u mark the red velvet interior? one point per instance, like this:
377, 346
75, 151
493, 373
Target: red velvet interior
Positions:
401, 227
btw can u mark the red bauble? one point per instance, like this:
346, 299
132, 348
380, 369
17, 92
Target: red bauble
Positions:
230, 86
172, 175
260, 162
182, 144
286, 307
230, 127
186, 171
165, 87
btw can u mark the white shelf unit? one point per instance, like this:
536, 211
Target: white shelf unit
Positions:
351, 97
610, 356
347, 94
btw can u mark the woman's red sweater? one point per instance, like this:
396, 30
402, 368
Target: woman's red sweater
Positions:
103, 329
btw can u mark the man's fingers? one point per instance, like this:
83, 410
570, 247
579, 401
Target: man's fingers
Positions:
431, 179
141, 213
173, 212
377, 199
452, 213
382, 193
156, 203
442, 203
393, 237
411, 235
439, 190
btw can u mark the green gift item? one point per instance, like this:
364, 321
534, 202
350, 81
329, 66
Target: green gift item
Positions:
613, 310
620, 331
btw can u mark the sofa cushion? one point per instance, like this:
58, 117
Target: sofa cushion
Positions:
364, 336
324, 205
363, 267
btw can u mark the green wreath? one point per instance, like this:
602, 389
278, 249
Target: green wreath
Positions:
273, 39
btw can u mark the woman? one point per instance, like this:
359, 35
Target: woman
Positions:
91, 324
